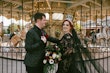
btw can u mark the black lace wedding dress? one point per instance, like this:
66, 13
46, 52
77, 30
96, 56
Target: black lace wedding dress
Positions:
72, 59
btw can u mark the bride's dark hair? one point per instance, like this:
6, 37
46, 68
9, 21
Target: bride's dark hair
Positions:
75, 36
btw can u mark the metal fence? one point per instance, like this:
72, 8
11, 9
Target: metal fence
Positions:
12, 61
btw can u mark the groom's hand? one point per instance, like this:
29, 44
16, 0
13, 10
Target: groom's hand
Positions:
43, 38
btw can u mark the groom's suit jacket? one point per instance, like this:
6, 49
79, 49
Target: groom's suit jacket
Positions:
35, 47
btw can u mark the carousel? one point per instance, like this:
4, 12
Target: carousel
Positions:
91, 20
87, 16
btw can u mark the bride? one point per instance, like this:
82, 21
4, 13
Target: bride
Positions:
72, 50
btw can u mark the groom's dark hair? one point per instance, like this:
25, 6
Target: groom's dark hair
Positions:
38, 15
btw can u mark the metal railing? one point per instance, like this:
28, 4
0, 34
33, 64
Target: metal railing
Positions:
11, 61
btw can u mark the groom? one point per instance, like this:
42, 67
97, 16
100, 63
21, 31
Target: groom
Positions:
35, 43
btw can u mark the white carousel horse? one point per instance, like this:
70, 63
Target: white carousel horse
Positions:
103, 39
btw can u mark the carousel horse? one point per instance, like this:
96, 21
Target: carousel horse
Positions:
103, 38
17, 40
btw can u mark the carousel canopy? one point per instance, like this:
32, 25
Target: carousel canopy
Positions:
83, 10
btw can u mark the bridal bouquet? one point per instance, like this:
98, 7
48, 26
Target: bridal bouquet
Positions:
52, 54
52, 57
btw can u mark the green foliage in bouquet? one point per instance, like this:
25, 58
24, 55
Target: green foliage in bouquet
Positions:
52, 57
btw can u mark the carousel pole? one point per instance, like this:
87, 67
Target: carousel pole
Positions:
81, 19
101, 17
107, 43
102, 29
2, 39
95, 19
50, 23
22, 14
19, 17
101, 12
22, 27
86, 26
38, 7
10, 42
12, 29
1, 34
106, 17
32, 7
90, 29
90, 15
32, 14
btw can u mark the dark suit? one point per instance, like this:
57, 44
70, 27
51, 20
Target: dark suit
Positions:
35, 48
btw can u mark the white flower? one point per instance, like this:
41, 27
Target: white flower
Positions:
51, 61
44, 61
56, 46
54, 55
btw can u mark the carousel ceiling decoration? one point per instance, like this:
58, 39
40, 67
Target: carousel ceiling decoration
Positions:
25, 8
